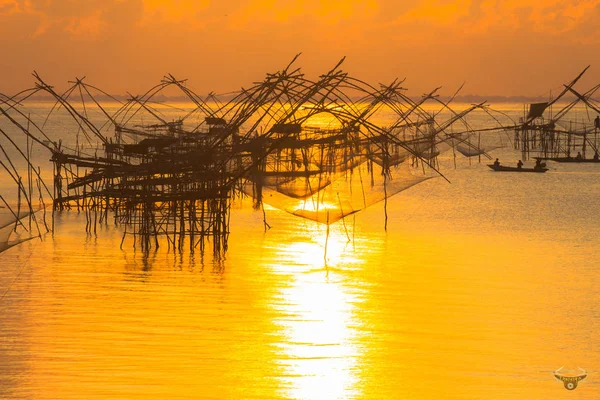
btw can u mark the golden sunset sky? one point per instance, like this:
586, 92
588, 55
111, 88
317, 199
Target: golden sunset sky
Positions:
512, 47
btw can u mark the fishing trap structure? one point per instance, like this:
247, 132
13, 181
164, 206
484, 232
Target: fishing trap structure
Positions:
320, 149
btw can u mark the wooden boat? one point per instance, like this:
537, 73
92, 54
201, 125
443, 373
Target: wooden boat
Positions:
502, 168
569, 159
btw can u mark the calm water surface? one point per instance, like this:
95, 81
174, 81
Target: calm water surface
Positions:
477, 290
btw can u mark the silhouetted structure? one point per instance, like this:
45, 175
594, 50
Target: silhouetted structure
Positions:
176, 178
549, 136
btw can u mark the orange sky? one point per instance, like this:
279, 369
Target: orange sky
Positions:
508, 47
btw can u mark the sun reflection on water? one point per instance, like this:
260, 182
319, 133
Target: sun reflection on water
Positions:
317, 316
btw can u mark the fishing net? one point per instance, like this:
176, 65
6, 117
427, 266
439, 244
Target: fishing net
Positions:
471, 150
8, 227
330, 197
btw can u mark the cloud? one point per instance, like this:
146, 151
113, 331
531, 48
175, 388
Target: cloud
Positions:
232, 42
86, 26
174, 11
551, 17
326, 26
80, 19
89, 19
436, 12
328, 12
8, 7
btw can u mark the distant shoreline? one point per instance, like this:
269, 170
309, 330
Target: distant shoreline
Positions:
469, 98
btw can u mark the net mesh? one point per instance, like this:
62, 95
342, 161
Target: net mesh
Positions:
333, 196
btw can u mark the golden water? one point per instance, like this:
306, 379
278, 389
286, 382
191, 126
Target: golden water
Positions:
478, 289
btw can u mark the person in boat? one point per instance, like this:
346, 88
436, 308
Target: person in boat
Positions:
597, 122
496, 163
538, 164
579, 157
520, 164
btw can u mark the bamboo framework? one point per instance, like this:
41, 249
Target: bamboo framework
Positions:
550, 135
176, 178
